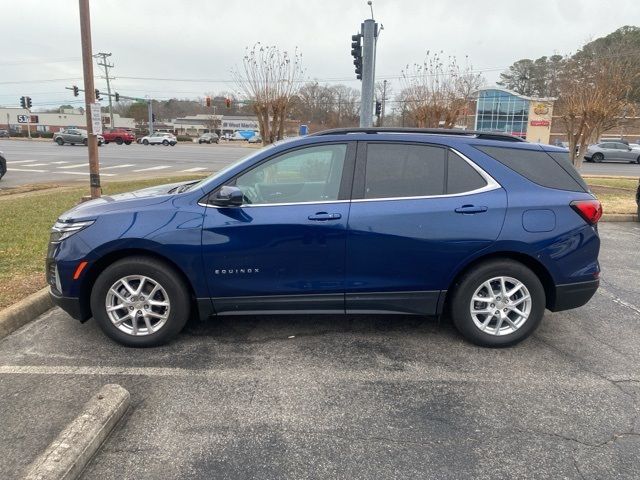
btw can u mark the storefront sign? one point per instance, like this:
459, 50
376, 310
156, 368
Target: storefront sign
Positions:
540, 123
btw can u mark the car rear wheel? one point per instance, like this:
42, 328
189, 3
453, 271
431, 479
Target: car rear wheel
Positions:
85, 142
59, 141
119, 141
127, 142
498, 303
597, 157
165, 142
140, 302
145, 142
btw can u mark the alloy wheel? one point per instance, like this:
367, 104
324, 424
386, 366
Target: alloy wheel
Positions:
137, 305
500, 306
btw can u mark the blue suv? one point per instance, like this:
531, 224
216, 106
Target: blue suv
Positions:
484, 227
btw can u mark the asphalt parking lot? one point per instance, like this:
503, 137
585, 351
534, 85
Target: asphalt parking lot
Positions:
346, 397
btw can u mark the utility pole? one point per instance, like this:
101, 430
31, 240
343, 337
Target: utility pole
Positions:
369, 34
107, 66
384, 101
89, 97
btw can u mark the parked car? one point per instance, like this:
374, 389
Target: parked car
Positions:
255, 139
612, 151
485, 227
159, 138
118, 136
3, 165
4, 133
73, 136
209, 138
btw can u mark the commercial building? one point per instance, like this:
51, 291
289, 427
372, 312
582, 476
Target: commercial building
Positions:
20, 119
195, 125
501, 110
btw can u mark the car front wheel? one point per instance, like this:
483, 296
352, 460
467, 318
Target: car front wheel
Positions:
145, 142
597, 157
498, 303
59, 141
140, 302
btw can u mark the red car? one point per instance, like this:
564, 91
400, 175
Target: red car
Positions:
119, 136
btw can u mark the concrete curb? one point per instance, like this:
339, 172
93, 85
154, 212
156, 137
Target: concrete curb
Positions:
21, 313
69, 453
619, 217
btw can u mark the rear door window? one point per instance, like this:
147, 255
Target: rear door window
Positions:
462, 177
539, 167
395, 170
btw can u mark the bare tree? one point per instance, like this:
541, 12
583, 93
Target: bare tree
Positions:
269, 79
437, 92
594, 93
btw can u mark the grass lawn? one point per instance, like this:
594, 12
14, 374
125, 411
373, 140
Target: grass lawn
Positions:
26, 217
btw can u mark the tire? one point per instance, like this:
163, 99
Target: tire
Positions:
127, 142
173, 144
85, 142
473, 284
172, 291
199, 142
165, 142
597, 157
119, 141
60, 141
638, 160
145, 142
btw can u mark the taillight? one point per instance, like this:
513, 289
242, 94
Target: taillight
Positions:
590, 210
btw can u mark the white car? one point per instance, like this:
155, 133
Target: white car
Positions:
158, 138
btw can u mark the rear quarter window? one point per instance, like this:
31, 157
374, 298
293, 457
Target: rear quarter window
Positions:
548, 169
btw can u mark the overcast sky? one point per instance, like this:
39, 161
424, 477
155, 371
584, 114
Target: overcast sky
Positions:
205, 39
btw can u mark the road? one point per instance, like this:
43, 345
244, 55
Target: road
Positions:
355, 397
38, 162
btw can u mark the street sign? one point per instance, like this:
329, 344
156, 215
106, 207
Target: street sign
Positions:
23, 118
96, 118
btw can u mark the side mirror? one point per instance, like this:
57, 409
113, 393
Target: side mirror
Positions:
227, 196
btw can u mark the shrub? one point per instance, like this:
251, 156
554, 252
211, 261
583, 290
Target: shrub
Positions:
184, 138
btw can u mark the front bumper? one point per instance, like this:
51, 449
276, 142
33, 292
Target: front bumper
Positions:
73, 306
573, 295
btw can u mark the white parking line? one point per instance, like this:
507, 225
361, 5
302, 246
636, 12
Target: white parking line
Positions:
33, 164
159, 167
118, 166
19, 161
87, 173
196, 169
60, 163
76, 165
11, 169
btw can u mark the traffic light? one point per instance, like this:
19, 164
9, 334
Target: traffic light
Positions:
207, 101
117, 95
378, 109
28, 102
227, 102
356, 53
153, 117
98, 95
23, 102
76, 91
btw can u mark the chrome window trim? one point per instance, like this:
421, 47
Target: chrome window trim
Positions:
492, 184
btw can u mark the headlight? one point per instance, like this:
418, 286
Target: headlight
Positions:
63, 230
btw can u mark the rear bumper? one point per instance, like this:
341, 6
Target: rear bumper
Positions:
73, 306
573, 295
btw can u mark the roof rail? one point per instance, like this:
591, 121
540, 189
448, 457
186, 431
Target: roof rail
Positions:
505, 137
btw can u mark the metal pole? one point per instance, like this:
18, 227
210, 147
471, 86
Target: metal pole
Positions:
384, 102
368, 72
89, 97
29, 123
150, 108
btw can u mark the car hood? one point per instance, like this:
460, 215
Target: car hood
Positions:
124, 201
